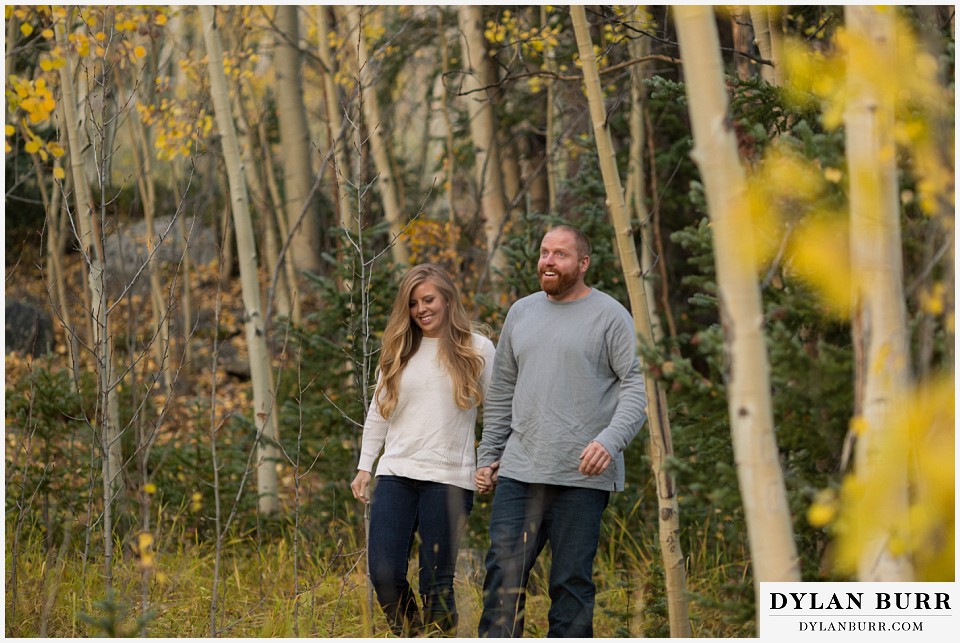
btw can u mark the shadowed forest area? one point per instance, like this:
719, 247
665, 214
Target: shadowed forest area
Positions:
208, 210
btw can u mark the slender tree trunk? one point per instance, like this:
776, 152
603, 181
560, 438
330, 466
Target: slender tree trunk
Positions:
878, 298
295, 135
769, 525
451, 154
550, 131
250, 142
276, 201
92, 251
742, 39
477, 78
769, 37
379, 143
660, 442
636, 206
334, 122
263, 405
142, 152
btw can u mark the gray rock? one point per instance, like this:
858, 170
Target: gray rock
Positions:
29, 329
125, 251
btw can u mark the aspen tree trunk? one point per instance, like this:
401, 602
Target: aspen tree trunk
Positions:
742, 37
769, 37
335, 121
772, 547
639, 48
263, 414
553, 174
142, 153
379, 145
449, 163
52, 205
878, 298
478, 75
268, 214
92, 250
295, 135
660, 441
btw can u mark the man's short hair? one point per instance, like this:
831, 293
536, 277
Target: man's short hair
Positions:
583, 243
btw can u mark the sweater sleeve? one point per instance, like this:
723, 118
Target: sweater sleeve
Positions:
631, 411
498, 405
374, 434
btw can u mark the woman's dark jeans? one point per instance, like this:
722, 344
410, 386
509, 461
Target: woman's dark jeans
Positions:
524, 518
400, 507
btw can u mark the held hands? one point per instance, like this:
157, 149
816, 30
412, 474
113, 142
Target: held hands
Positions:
359, 486
486, 477
594, 460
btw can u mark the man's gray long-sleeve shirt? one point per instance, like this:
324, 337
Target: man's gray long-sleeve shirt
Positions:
565, 374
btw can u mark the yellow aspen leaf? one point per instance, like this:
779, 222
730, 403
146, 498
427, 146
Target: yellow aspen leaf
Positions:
858, 425
58, 173
140, 51
7, 147
46, 64
9, 130
32, 147
26, 29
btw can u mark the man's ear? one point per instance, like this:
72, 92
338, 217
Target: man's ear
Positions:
584, 263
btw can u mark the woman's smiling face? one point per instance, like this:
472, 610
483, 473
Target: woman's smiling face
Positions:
428, 309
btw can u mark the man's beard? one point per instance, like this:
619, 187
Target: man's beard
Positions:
563, 282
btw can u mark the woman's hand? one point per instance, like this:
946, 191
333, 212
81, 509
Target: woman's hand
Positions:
359, 486
486, 477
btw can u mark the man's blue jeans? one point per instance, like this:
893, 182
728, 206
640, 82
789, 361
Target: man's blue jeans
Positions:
524, 518
400, 507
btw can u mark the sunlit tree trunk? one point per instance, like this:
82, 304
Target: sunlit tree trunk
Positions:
300, 205
769, 37
478, 76
91, 247
769, 526
379, 143
660, 442
264, 417
878, 298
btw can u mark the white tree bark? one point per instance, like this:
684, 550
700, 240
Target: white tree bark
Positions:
769, 37
334, 122
295, 135
92, 250
263, 404
876, 262
772, 548
477, 76
660, 442
379, 143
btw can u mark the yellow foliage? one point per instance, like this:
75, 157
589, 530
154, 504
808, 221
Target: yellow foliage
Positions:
900, 75
819, 253
920, 428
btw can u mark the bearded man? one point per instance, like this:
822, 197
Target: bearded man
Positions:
566, 399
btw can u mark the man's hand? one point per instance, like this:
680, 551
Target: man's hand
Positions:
359, 486
486, 477
594, 460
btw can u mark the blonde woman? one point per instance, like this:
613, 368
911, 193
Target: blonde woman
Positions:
433, 373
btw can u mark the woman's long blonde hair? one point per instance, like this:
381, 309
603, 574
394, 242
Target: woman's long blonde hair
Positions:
402, 336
